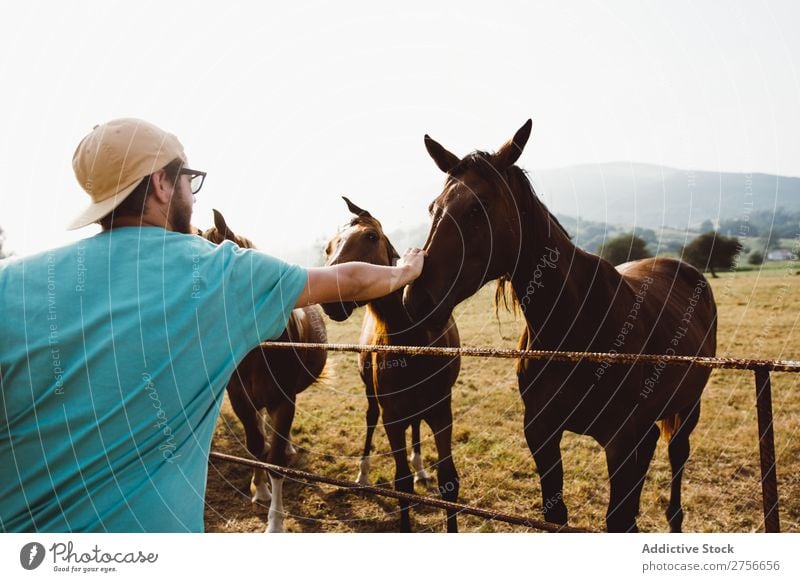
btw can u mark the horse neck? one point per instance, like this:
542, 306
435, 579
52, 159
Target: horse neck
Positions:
553, 279
390, 314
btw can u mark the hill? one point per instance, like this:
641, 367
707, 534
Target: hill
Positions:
652, 196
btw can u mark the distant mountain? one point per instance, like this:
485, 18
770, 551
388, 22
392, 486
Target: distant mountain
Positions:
653, 196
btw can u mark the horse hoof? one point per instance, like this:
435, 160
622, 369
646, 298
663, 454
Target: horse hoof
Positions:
421, 476
261, 495
275, 523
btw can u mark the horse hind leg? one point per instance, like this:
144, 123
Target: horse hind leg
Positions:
396, 432
627, 469
373, 413
420, 474
257, 445
678, 455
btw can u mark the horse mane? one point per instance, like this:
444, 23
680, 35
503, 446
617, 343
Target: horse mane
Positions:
515, 179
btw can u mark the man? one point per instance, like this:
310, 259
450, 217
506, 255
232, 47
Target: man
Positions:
116, 350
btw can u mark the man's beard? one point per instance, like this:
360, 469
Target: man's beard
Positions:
180, 215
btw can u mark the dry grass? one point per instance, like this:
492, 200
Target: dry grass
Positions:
721, 492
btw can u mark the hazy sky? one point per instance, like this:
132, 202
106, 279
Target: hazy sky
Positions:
290, 105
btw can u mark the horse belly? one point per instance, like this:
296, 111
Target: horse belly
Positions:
411, 385
665, 390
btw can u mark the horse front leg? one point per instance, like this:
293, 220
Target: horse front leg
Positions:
282, 418
545, 446
447, 476
420, 474
373, 413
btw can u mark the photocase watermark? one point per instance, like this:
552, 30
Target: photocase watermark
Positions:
169, 446
551, 502
65, 558
196, 286
31, 555
780, 296
548, 260
386, 364
686, 319
52, 325
627, 325
80, 268
744, 229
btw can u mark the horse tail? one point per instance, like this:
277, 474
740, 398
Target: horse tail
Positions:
670, 425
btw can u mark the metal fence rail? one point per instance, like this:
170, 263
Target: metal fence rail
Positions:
410, 497
762, 368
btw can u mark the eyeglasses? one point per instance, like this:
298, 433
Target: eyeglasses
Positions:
196, 179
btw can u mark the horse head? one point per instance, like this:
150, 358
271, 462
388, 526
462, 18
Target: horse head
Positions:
362, 239
476, 233
221, 232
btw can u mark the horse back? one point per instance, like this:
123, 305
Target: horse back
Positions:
678, 313
268, 375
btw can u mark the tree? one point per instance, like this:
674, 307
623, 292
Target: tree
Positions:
624, 248
756, 258
711, 251
707, 226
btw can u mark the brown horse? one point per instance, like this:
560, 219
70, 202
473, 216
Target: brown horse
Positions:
271, 380
408, 389
489, 224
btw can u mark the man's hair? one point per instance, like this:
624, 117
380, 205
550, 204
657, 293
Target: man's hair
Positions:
136, 202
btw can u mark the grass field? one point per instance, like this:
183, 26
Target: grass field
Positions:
721, 489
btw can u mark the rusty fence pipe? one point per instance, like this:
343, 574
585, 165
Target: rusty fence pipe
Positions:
762, 368
410, 497
574, 357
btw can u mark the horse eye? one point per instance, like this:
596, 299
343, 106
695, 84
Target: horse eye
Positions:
372, 237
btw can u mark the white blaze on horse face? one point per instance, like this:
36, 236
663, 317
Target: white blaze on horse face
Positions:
343, 236
420, 474
363, 472
275, 516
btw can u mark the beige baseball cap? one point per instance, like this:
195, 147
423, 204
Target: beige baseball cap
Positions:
112, 160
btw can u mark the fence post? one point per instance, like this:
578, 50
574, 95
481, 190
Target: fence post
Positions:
766, 449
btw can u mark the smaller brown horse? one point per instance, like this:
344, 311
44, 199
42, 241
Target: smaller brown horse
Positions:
271, 380
407, 389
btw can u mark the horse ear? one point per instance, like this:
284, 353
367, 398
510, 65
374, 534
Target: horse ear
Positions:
510, 151
355, 209
443, 158
222, 227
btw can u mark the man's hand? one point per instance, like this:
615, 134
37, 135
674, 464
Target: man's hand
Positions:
411, 263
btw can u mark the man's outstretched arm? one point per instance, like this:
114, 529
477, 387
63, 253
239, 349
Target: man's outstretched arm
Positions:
359, 281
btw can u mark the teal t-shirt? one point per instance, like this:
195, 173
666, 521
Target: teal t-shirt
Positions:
114, 355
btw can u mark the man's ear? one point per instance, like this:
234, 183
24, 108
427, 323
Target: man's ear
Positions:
161, 186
